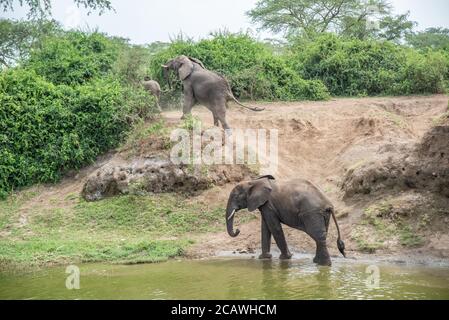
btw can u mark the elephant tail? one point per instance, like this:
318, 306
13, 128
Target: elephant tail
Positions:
257, 109
231, 97
340, 243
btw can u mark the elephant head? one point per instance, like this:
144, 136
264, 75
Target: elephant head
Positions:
182, 65
247, 195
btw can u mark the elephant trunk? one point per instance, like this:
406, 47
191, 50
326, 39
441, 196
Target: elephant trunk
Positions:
230, 213
167, 76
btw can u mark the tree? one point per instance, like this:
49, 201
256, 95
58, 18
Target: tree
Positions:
42, 8
354, 18
376, 22
17, 38
434, 38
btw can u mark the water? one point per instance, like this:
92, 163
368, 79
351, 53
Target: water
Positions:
232, 279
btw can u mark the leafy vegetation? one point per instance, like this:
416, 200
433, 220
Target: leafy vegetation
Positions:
362, 68
431, 38
66, 105
19, 38
372, 19
74, 58
42, 8
252, 69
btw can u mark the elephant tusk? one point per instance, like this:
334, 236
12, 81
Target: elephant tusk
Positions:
232, 215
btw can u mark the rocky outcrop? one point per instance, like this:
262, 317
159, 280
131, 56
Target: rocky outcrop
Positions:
424, 166
157, 175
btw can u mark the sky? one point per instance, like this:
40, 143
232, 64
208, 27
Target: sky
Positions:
145, 21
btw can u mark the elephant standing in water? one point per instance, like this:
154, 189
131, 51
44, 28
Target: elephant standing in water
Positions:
203, 86
298, 204
154, 88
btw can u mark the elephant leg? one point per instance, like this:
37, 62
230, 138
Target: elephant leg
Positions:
221, 115
189, 101
316, 226
322, 256
158, 99
274, 225
266, 241
216, 122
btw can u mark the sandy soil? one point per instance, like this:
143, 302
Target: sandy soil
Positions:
320, 141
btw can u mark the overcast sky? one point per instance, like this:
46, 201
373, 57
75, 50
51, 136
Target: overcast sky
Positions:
144, 21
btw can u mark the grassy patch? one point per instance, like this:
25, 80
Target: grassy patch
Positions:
146, 133
364, 243
380, 224
165, 215
409, 238
38, 251
191, 122
10, 206
126, 229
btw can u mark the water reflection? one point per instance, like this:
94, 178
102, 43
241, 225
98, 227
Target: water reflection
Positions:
231, 279
292, 280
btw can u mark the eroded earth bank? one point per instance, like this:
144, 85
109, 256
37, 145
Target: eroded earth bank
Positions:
384, 162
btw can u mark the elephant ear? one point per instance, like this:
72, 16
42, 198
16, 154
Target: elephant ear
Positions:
186, 68
198, 61
258, 194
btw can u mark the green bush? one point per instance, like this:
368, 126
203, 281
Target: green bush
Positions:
75, 57
48, 129
73, 99
425, 73
252, 69
131, 65
351, 67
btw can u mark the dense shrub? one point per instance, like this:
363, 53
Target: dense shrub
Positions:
73, 99
131, 65
356, 67
47, 129
75, 57
425, 72
252, 69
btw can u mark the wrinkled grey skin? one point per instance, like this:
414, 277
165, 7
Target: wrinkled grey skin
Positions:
298, 204
202, 86
154, 88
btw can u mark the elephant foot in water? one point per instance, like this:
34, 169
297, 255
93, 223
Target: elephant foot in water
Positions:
287, 256
322, 261
265, 256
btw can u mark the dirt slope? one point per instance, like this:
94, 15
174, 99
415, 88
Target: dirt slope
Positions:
321, 141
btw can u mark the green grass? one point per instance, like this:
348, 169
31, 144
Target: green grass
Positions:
44, 251
147, 131
10, 206
191, 122
379, 225
409, 238
125, 229
368, 246
163, 215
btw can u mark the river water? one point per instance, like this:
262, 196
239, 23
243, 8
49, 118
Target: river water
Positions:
232, 279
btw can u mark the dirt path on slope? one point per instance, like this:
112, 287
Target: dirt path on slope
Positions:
320, 141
